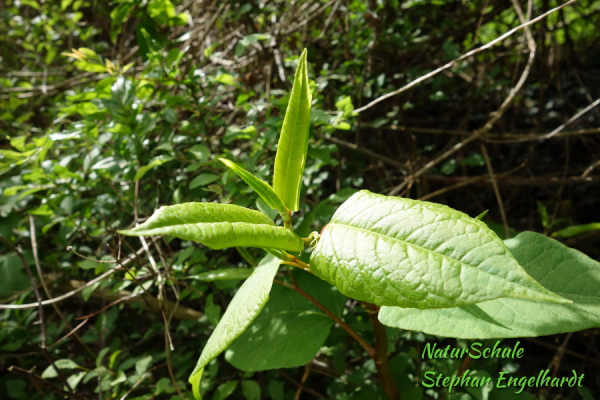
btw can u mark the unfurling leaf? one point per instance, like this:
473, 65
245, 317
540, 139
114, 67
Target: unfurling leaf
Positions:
565, 271
293, 141
243, 309
218, 226
407, 253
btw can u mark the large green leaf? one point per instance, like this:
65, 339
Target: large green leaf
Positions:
290, 330
293, 142
406, 253
243, 309
557, 267
264, 190
218, 226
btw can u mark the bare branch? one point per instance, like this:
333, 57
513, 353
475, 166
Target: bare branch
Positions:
464, 56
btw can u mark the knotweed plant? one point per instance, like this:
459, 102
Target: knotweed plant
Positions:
429, 267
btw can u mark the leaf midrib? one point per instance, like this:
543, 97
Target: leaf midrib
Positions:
209, 224
427, 250
294, 136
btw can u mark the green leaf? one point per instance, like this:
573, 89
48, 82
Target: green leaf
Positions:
243, 309
235, 133
225, 79
12, 275
200, 152
154, 163
161, 11
557, 267
293, 142
544, 217
224, 274
225, 390
203, 180
246, 41
262, 188
218, 226
212, 311
50, 372
474, 160
290, 330
407, 253
251, 390
576, 230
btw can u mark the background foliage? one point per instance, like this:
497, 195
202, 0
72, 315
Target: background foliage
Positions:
94, 140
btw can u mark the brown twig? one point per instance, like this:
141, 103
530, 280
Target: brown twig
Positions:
121, 264
496, 115
40, 311
38, 267
368, 348
570, 120
566, 351
464, 56
555, 363
42, 382
490, 169
367, 152
467, 182
519, 180
489, 137
72, 332
381, 354
308, 389
302, 382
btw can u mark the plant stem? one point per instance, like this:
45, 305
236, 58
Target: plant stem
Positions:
381, 354
286, 215
368, 348
288, 259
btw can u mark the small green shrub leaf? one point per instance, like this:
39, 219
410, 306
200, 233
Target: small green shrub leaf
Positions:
575, 230
293, 142
243, 309
159, 160
262, 188
557, 267
203, 180
224, 274
290, 330
407, 253
218, 226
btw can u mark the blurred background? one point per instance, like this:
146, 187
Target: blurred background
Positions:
109, 110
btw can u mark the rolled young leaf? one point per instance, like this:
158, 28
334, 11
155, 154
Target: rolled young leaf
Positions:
262, 188
243, 309
400, 252
293, 141
218, 226
557, 267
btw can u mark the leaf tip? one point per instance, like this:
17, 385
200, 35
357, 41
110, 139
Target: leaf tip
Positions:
304, 53
224, 161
